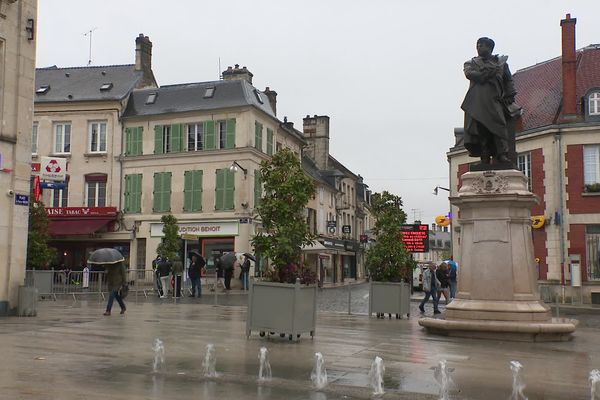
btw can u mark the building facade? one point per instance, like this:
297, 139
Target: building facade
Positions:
558, 149
17, 67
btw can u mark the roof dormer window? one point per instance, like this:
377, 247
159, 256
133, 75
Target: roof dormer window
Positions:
106, 86
594, 103
151, 99
258, 96
209, 92
42, 89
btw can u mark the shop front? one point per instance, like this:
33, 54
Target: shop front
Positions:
341, 263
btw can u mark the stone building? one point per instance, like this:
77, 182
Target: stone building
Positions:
17, 66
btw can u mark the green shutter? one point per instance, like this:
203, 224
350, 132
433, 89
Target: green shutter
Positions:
197, 188
136, 189
127, 196
220, 189
166, 191
209, 135
138, 140
176, 138
269, 142
156, 193
188, 192
158, 139
258, 136
257, 188
128, 140
230, 141
229, 189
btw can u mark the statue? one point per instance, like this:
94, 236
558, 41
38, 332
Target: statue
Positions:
490, 107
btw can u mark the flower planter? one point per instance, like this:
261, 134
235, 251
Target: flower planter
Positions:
281, 308
389, 297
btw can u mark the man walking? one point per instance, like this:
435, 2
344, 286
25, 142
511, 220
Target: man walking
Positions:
195, 273
430, 285
116, 278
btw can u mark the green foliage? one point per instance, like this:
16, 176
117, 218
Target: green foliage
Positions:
287, 190
387, 259
170, 244
39, 254
592, 188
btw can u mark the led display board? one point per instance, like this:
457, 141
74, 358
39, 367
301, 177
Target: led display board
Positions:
415, 238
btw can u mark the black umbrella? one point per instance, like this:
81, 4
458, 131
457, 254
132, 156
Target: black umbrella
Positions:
194, 253
250, 256
228, 259
105, 256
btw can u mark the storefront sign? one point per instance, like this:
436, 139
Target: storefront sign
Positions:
21, 199
35, 167
351, 245
415, 238
52, 185
245, 220
53, 168
346, 229
331, 226
81, 211
333, 243
197, 229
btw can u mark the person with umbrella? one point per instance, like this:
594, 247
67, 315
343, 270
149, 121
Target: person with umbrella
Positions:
246, 271
195, 272
116, 276
228, 261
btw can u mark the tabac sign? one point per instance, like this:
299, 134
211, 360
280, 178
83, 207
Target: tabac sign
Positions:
53, 168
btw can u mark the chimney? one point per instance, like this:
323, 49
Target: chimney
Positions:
237, 73
272, 96
569, 68
143, 61
316, 133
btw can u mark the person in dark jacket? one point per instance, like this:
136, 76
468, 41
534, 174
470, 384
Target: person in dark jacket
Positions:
116, 278
443, 275
195, 273
164, 271
220, 273
177, 268
245, 273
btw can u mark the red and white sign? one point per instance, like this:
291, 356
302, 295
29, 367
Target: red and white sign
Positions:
37, 191
81, 211
35, 167
53, 169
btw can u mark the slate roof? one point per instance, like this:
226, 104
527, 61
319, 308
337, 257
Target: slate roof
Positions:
190, 97
83, 83
539, 87
312, 170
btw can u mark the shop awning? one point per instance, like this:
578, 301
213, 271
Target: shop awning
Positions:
314, 247
77, 226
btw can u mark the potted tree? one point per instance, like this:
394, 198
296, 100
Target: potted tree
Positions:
389, 264
285, 301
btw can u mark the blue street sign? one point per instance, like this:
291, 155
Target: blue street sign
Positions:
52, 185
21, 199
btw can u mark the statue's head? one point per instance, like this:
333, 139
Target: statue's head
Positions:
485, 46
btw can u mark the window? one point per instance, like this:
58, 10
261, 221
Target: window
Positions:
195, 134
97, 137
224, 190
192, 191
209, 92
95, 190
162, 192
591, 165
42, 89
133, 193
269, 141
258, 96
524, 165
222, 129
60, 197
168, 138
257, 188
594, 103
151, 99
34, 139
141, 254
62, 138
134, 141
106, 86
592, 250
258, 128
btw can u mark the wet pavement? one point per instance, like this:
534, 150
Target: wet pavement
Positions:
70, 351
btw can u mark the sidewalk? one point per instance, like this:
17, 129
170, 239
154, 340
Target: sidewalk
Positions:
74, 352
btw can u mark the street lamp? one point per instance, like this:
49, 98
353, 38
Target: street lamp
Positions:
235, 167
435, 189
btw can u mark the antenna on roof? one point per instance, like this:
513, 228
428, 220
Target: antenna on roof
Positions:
219, 74
89, 33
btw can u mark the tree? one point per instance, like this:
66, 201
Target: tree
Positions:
287, 190
387, 259
170, 244
39, 254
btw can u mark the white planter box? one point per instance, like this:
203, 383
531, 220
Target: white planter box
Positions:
281, 308
389, 297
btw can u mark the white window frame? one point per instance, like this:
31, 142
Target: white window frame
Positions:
524, 165
591, 164
61, 146
166, 139
60, 196
100, 139
594, 103
34, 139
197, 130
96, 188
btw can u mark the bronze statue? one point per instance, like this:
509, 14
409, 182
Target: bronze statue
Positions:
490, 107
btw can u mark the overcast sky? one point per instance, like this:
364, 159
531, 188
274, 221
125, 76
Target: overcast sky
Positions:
387, 72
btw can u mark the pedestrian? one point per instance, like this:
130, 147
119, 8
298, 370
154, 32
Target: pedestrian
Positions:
195, 273
177, 275
430, 285
453, 275
443, 275
246, 273
116, 279
85, 280
220, 273
155, 263
229, 269
164, 271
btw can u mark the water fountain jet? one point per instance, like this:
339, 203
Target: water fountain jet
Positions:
318, 375
264, 370
210, 361
376, 376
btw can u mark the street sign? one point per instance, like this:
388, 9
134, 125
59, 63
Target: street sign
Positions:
331, 226
245, 220
21, 199
53, 168
415, 238
52, 185
346, 229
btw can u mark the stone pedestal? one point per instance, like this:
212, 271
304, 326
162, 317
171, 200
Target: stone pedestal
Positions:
497, 286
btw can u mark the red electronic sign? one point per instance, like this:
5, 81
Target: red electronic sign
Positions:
415, 238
